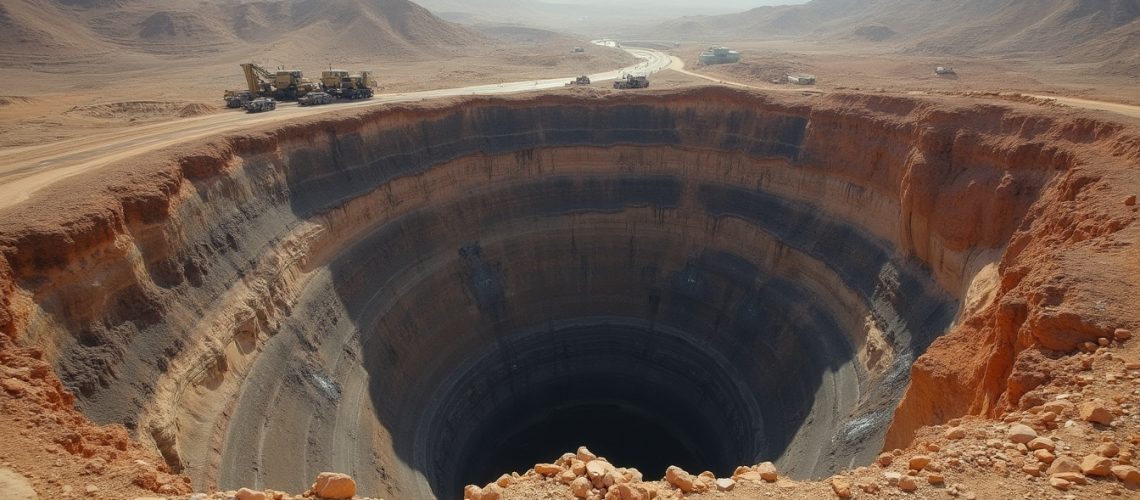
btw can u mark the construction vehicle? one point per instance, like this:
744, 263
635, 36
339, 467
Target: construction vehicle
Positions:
238, 98
632, 82
943, 70
338, 83
581, 80
285, 85
261, 104
316, 99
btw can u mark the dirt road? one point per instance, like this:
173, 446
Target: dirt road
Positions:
1112, 107
678, 65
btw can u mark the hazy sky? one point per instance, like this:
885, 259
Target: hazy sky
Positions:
730, 4
740, 5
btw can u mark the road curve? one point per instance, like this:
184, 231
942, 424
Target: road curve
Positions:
25, 170
1112, 107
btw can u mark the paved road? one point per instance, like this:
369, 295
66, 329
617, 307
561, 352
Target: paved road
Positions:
24, 170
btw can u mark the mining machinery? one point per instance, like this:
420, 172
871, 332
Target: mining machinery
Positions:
261, 104
632, 82
238, 98
284, 85
340, 84
316, 99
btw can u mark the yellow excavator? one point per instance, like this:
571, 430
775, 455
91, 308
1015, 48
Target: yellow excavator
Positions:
284, 85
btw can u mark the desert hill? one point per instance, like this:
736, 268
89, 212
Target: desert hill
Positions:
396, 29
38, 29
1072, 30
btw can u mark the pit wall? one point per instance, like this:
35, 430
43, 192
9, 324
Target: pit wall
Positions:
155, 295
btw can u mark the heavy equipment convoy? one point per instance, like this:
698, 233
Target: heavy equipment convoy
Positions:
291, 85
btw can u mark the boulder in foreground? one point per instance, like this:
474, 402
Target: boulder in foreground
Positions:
334, 486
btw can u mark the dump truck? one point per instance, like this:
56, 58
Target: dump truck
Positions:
581, 80
342, 85
260, 105
632, 82
316, 99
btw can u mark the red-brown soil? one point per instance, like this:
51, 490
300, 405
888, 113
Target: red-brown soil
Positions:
1061, 285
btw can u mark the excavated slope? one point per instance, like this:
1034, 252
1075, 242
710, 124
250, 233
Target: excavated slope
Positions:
427, 295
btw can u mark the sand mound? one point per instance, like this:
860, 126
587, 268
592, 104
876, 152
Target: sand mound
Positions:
141, 110
195, 109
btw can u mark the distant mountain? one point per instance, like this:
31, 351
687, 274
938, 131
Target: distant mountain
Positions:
389, 28
1077, 29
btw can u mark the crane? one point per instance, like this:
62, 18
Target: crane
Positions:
257, 79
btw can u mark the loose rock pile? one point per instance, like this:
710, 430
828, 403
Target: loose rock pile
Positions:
328, 486
586, 474
591, 477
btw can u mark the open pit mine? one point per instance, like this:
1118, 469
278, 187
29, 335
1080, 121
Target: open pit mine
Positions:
427, 295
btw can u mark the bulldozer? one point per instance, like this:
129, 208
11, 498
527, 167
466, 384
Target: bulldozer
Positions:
261, 104
632, 82
340, 84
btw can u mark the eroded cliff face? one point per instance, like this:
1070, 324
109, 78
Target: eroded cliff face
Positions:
393, 293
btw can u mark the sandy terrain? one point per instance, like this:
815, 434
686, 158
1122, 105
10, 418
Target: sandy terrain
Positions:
110, 99
866, 67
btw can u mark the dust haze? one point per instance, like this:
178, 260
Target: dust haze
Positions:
588, 16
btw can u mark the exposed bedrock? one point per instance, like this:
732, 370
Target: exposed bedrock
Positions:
426, 296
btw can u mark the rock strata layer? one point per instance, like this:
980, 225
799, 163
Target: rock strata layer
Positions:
392, 293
